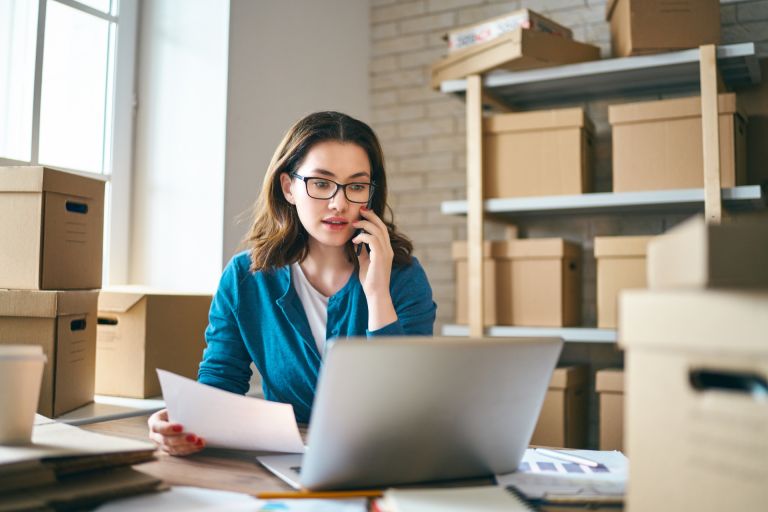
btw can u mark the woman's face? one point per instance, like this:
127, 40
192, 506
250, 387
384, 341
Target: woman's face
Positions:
328, 221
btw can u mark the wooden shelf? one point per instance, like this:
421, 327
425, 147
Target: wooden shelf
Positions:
568, 334
684, 200
671, 72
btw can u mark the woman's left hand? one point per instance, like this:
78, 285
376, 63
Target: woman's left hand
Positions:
375, 268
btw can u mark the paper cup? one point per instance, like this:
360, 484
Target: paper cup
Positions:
21, 373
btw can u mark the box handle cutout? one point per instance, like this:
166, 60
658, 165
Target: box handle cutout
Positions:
102, 320
77, 325
75, 207
740, 382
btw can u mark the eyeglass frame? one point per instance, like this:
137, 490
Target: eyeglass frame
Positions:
339, 186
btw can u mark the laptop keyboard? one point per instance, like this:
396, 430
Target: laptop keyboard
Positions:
296, 469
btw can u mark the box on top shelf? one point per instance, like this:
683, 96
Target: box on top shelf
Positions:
700, 255
538, 282
697, 378
651, 26
141, 329
51, 227
609, 385
460, 254
515, 51
658, 144
563, 418
539, 153
486, 30
620, 265
754, 100
64, 324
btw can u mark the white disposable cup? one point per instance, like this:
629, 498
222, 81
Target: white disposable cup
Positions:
21, 373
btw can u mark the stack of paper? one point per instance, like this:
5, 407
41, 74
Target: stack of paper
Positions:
555, 479
452, 499
66, 467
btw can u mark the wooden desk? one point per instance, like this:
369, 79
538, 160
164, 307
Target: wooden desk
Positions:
230, 470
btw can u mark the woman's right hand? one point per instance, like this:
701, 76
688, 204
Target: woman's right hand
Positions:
171, 437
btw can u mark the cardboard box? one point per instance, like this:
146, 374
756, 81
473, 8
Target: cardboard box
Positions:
538, 153
492, 28
51, 225
657, 144
64, 324
609, 385
517, 50
651, 26
696, 417
754, 101
140, 330
563, 418
620, 266
538, 282
700, 255
459, 254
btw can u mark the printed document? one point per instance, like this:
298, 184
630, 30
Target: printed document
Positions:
229, 420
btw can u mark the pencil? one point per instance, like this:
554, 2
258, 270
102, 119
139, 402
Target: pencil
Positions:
367, 493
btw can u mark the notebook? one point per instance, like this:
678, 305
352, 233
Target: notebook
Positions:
488, 498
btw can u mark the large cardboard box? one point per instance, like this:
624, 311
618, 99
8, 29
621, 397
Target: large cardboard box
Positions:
51, 227
486, 30
657, 144
650, 26
538, 153
700, 255
620, 265
563, 418
609, 385
696, 417
64, 324
538, 282
141, 330
514, 51
459, 253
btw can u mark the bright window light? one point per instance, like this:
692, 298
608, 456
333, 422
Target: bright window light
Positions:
74, 98
18, 38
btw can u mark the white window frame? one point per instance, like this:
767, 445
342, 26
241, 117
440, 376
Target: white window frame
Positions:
117, 167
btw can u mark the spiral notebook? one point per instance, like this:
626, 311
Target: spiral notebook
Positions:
488, 498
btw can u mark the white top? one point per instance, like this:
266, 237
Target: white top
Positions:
315, 305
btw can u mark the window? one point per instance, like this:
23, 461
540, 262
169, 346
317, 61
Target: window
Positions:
66, 91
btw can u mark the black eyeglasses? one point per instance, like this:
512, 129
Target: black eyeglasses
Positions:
323, 188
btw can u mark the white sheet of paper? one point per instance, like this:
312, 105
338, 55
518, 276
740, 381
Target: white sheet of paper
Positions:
536, 484
228, 420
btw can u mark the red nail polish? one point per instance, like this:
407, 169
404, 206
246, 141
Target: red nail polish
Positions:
191, 438
177, 428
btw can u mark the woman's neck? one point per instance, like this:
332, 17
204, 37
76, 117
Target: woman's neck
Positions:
326, 268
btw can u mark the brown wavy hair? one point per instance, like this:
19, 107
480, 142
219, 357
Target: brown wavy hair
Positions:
277, 237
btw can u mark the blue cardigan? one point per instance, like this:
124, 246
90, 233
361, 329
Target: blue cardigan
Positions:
258, 317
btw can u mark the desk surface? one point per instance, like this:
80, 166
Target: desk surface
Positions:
227, 470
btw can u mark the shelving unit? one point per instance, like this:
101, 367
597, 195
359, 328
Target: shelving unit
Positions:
708, 69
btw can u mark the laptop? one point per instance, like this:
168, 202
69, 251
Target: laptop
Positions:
409, 410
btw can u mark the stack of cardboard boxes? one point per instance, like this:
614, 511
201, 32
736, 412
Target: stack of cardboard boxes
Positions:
697, 370
51, 225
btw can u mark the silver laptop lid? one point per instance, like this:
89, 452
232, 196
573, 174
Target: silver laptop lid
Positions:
404, 410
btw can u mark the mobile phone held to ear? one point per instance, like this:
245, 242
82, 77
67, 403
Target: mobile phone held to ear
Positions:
359, 249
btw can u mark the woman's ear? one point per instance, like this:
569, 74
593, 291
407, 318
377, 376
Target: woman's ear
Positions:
285, 184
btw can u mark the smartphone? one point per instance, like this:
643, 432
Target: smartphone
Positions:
359, 249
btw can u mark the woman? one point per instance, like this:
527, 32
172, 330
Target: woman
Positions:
322, 263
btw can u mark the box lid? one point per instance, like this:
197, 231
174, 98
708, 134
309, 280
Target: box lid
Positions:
530, 248
711, 321
568, 376
45, 303
537, 120
459, 249
31, 178
119, 299
669, 109
618, 246
523, 13
610, 380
